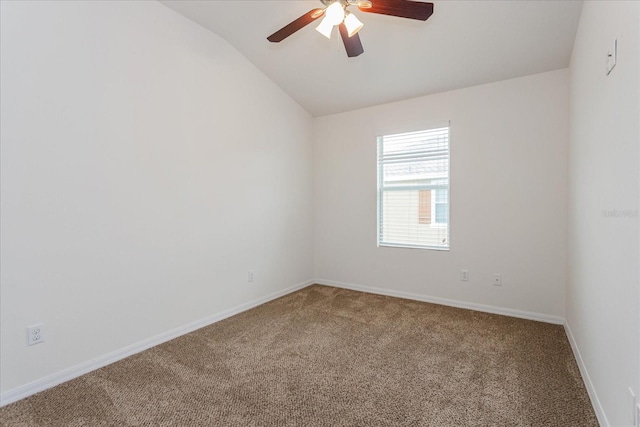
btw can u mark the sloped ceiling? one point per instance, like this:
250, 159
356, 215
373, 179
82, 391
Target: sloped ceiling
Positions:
464, 43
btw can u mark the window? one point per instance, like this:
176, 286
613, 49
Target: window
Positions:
441, 206
413, 189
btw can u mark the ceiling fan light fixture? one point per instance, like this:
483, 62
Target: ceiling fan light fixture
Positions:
335, 13
325, 27
352, 23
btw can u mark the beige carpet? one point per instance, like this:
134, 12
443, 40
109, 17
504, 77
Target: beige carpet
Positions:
330, 357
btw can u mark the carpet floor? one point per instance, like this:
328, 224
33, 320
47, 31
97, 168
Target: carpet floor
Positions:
324, 356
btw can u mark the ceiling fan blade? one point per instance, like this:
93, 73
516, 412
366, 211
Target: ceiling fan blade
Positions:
294, 26
401, 8
352, 44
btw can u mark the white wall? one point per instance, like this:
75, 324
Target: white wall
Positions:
603, 286
508, 196
146, 166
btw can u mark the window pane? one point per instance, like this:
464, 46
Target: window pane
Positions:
401, 224
442, 213
413, 179
442, 195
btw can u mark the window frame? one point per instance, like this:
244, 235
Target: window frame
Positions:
433, 187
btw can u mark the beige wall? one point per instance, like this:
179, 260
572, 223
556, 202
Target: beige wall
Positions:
603, 290
508, 196
146, 167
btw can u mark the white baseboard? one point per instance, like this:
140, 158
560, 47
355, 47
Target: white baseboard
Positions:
547, 318
101, 361
586, 379
595, 402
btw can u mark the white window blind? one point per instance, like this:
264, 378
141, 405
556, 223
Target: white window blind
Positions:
413, 189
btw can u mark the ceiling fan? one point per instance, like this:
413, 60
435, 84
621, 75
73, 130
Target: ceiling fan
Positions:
336, 14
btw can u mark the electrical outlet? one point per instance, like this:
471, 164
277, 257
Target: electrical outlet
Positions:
497, 279
464, 275
35, 334
250, 276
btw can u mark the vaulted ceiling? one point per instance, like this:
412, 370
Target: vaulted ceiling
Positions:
464, 43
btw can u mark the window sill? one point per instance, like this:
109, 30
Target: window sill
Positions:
401, 246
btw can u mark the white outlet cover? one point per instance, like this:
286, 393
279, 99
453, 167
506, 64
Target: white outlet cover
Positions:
497, 279
35, 334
